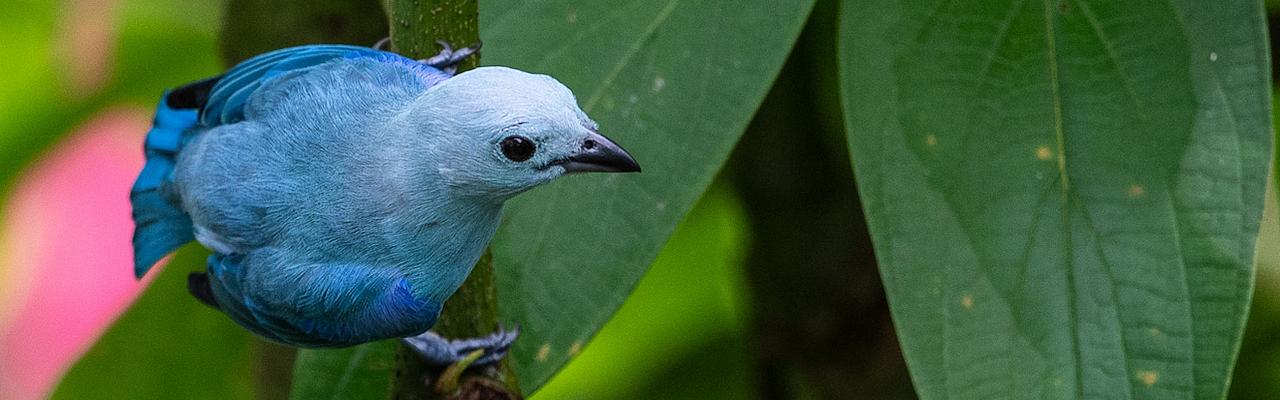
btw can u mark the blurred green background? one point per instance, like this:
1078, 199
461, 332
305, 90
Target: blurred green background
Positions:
686, 332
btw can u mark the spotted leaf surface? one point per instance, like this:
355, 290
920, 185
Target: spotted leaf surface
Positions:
1064, 195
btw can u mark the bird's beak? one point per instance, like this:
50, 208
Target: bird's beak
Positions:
599, 154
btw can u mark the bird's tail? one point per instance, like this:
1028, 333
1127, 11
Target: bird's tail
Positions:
160, 225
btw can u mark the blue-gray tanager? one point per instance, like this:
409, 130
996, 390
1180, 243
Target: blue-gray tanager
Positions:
346, 191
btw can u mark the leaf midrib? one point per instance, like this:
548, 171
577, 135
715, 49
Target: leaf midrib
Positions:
1067, 190
1060, 137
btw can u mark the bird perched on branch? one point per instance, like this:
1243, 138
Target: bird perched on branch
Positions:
346, 191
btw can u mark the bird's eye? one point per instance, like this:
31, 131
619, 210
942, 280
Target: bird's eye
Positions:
517, 148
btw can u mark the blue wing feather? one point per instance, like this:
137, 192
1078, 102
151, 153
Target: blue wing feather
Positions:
226, 103
330, 305
160, 226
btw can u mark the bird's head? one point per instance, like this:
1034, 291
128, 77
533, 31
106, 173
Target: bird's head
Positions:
502, 131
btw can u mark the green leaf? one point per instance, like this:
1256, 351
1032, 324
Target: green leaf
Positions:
1064, 196
360, 372
166, 346
675, 82
689, 303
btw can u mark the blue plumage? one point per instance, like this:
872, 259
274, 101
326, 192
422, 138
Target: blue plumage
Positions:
345, 191
161, 226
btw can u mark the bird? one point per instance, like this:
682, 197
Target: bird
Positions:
345, 192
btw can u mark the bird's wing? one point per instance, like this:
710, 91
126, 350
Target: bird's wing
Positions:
317, 305
162, 224
226, 102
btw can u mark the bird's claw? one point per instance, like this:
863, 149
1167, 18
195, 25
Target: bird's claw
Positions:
382, 44
448, 59
438, 351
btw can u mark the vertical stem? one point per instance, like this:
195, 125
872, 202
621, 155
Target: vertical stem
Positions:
416, 25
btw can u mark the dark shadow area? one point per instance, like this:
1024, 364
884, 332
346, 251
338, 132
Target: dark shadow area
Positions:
822, 326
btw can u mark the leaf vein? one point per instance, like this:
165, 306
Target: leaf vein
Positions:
630, 53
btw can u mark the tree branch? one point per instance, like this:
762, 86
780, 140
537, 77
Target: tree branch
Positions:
416, 25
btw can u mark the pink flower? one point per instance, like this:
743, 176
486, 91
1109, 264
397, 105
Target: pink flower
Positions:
65, 252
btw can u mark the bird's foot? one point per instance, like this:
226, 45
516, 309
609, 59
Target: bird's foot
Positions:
438, 351
448, 59
383, 44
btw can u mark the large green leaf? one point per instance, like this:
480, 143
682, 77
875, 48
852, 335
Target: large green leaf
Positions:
360, 372
675, 82
1064, 195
